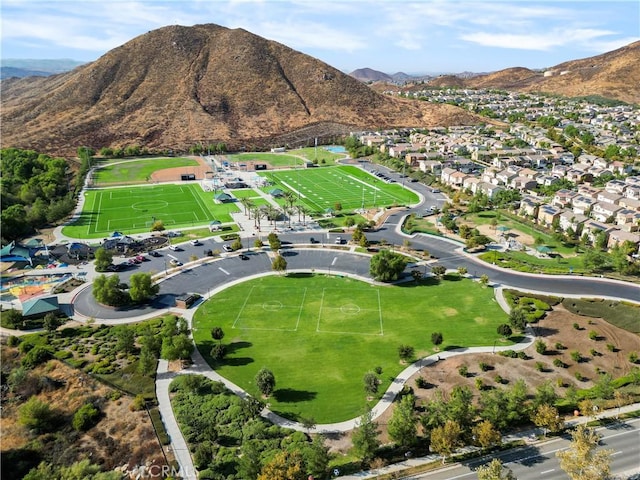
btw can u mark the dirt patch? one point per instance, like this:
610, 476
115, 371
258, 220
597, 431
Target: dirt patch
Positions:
121, 436
174, 174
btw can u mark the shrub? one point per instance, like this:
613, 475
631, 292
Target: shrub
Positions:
218, 351
463, 370
138, 403
479, 384
594, 353
484, 366
36, 356
522, 356
422, 382
508, 353
504, 330
560, 346
541, 347
63, 354
611, 347
593, 335
378, 370
405, 352
13, 341
576, 326
579, 376
498, 379
633, 357
37, 415
540, 366
560, 382
575, 356
559, 363
85, 418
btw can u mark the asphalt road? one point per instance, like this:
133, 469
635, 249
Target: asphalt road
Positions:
540, 462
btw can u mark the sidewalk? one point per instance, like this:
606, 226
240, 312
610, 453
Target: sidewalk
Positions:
526, 435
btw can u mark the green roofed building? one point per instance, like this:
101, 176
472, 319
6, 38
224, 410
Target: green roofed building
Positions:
222, 197
40, 306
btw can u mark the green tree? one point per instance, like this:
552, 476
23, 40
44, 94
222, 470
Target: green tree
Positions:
386, 266
177, 347
217, 334
365, 438
406, 352
279, 264
484, 280
157, 226
126, 340
494, 470
103, 259
265, 381
518, 318
437, 338
504, 330
446, 439
85, 417
371, 383
51, 322
106, 290
142, 288
316, 457
147, 360
403, 423
439, 270
582, 460
274, 242
36, 415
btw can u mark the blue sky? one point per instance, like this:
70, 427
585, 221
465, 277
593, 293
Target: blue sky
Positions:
429, 36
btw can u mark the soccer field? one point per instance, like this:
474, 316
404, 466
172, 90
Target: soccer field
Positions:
321, 188
320, 334
134, 209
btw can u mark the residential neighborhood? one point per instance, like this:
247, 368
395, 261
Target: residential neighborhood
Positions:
544, 151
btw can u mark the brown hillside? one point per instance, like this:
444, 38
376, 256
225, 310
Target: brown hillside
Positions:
611, 75
176, 86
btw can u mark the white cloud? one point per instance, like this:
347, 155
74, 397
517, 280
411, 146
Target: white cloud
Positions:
543, 41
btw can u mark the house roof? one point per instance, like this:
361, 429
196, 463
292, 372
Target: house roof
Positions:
39, 306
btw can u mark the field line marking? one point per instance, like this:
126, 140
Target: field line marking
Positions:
242, 309
335, 259
223, 271
294, 190
380, 312
320, 311
98, 212
198, 201
304, 295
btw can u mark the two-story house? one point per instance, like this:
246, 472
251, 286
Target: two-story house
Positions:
603, 211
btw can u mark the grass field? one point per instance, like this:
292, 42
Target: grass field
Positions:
137, 171
133, 210
320, 334
274, 159
319, 154
321, 188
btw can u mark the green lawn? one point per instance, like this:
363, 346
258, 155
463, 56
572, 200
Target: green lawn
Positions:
485, 218
137, 171
319, 154
524, 262
320, 334
321, 188
245, 193
133, 209
274, 159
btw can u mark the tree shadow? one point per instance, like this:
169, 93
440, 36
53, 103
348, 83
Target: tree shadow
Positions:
235, 346
544, 331
290, 395
238, 362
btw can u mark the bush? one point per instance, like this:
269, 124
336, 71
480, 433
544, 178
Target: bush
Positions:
633, 357
422, 382
85, 418
36, 356
593, 335
559, 363
576, 326
560, 346
522, 356
13, 341
138, 403
579, 376
63, 354
508, 353
576, 356
611, 347
406, 352
504, 330
12, 319
540, 366
37, 415
463, 370
541, 347
484, 366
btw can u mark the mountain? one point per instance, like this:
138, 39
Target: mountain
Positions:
608, 75
370, 75
28, 67
177, 86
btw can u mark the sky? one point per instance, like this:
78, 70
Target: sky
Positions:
414, 37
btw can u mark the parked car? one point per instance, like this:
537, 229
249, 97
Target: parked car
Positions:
244, 257
339, 240
175, 263
153, 253
195, 242
175, 248
312, 240
227, 248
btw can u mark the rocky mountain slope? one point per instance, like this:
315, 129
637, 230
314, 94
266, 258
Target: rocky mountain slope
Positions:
177, 86
612, 75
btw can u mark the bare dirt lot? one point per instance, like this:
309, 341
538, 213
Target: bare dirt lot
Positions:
556, 327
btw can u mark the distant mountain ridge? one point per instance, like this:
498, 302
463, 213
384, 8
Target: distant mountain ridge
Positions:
176, 86
611, 75
27, 67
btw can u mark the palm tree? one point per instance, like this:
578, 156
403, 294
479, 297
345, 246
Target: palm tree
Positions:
302, 209
258, 213
247, 203
289, 198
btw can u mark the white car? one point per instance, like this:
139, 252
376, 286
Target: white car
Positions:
338, 240
175, 248
195, 243
227, 248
